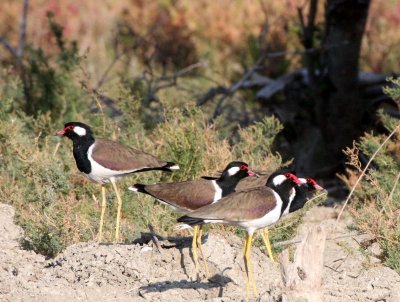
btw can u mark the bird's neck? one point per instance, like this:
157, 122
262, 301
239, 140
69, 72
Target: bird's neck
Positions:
80, 149
227, 184
284, 191
300, 199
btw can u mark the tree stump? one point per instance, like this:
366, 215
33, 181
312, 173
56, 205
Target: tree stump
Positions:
302, 279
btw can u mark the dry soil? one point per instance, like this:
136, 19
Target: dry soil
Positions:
139, 272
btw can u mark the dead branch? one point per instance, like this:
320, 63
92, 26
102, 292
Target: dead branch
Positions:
172, 80
8, 46
302, 279
106, 72
308, 36
237, 85
22, 30
243, 82
154, 238
365, 170
17, 53
396, 182
155, 84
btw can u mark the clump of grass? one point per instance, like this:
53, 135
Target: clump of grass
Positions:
375, 204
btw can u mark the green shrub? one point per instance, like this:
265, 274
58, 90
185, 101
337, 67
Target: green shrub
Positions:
375, 204
46, 80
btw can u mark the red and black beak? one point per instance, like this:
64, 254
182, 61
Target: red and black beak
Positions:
294, 178
60, 132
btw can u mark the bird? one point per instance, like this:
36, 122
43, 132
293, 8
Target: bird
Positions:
187, 196
252, 209
103, 161
304, 192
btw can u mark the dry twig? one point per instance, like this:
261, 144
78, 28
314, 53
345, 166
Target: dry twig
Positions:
154, 238
22, 30
365, 170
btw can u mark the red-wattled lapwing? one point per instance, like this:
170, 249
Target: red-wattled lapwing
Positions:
188, 196
304, 192
252, 209
105, 161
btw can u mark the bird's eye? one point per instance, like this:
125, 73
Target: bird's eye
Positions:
243, 167
70, 127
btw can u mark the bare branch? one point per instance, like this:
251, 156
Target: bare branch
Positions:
8, 46
108, 69
237, 85
311, 22
22, 30
171, 80
365, 170
396, 182
154, 238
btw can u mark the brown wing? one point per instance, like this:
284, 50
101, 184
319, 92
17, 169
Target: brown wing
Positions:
117, 157
240, 206
252, 182
189, 195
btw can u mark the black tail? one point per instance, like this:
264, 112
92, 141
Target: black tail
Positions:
190, 220
170, 167
138, 188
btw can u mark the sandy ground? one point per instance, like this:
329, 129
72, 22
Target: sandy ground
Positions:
136, 272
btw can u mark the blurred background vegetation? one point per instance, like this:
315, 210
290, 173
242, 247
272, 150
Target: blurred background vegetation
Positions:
199, 83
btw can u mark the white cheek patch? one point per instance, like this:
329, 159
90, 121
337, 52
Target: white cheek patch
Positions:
233, 170
278, 179
303, 180
80, 131
292, 195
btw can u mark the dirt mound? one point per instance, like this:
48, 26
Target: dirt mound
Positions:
107, 272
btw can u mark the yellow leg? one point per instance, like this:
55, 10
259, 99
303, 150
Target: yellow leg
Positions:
265, 236
118, 210
248, 266
103, 209
198, 239
194, 248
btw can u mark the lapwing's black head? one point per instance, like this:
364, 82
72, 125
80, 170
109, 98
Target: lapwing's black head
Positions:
76, 131
232, 174
304, 192
237, 170
309, 186
312, 185
283, 183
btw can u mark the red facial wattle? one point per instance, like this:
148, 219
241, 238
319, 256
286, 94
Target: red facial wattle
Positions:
65, 130
293, 178
316, 186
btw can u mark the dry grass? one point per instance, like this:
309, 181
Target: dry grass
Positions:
221, 28
58, 206
376, 199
